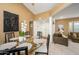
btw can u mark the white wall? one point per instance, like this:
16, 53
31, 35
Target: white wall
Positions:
41, 25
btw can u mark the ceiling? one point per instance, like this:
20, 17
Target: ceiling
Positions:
37, 8
69, 12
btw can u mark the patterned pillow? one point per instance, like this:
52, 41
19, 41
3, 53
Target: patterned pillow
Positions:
74, 34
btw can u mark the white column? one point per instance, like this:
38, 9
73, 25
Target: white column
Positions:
50, 28
53, 28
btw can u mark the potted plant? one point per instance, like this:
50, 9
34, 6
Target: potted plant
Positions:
23, 31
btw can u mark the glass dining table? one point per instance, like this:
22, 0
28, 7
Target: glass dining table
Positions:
30, 43
7, 46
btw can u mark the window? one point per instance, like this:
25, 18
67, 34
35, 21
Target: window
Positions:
70, 26
74, 26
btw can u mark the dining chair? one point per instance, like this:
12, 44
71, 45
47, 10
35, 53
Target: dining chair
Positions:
16, 51
8, 36
44, 49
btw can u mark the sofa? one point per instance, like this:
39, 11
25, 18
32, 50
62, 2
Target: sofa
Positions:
74, 37
58, 39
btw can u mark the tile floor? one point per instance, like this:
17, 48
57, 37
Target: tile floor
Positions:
57, 49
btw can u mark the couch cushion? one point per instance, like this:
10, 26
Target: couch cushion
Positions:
57, 35
75, 35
